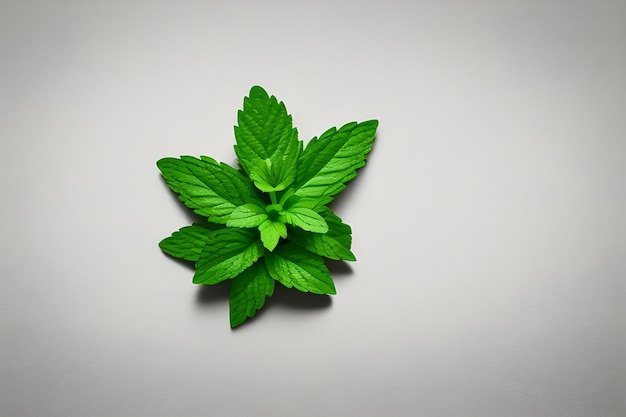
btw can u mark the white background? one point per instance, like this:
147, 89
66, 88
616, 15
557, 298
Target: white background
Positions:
489, 223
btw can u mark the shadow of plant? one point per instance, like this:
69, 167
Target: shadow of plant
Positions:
286, 298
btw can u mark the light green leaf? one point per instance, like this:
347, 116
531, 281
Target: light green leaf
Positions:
335, 244
248, 292
301, 212
248, 215
328, 163
284, 161
227, 253
271, 232
187, 243
296, 267
264, 127
306, 219
289, 200
268, 178
212, 190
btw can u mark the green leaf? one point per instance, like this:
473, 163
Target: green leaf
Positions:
306, 219
296, 267
301, 212
271, 232
248, 215
263, 176
290, 200
226, 254
269, 179
284, 162
187, 243
335, 244
264, 130
328, 163
248, 292
212, 190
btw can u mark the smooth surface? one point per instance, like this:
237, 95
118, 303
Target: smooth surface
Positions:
488, 225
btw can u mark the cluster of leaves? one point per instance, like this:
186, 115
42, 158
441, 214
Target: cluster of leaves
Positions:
269, 220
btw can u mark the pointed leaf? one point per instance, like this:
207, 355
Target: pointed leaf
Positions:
284, 161
267, 178
212, 190
306, 219
264, 127
248, 292
227, 253
276, 173
187, 243
248, 215
328, 163
335, 244
271, 232
301, 212
290, 199
296, 267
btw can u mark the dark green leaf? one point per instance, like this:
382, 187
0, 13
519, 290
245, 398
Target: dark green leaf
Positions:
248, 292
264, 131
226, 254
329, 162
212, 190
335, 244
187, 243
296, 267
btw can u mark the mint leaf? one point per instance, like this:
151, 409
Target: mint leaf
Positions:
306, 219
296, 267
187, 243
268, 178
300, 212
271, 232
226, 253
248, 215
329, 162
290, 199
264, 128
335, 244
248, 292
213, 190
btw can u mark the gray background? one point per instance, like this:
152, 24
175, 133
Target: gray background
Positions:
488, 225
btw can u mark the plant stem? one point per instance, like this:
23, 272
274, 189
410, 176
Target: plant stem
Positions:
273, 197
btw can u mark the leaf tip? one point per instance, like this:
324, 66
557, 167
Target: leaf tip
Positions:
161, 163
236, 321
258, 91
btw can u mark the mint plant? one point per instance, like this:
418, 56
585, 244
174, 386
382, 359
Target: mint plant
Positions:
269, 220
